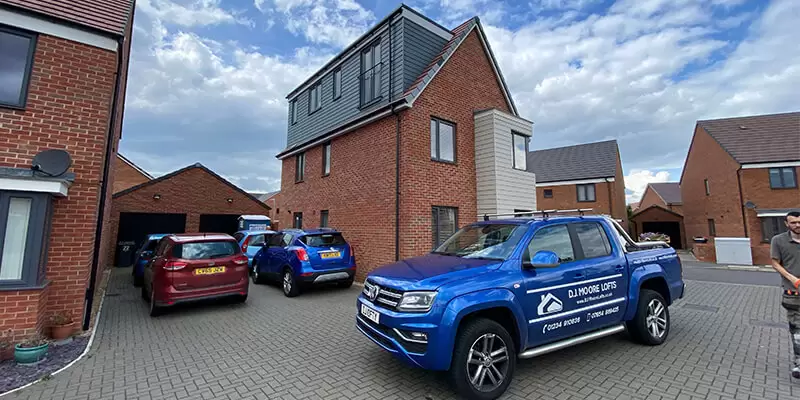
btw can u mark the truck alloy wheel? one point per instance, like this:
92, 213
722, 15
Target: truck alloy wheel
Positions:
656, 318
650, 324
484, 360
487, 363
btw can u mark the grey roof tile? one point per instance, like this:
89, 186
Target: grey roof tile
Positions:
583, 161
758, 138
670, 192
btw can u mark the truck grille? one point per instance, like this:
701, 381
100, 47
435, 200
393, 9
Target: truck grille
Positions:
386, 297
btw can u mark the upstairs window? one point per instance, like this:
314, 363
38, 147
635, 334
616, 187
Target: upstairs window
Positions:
293, 112
586, 193
782, 178
548, 193
371, 73
326, 159
712, 227
300, 166
337, 83
443, 139
708, 188
520, 143
314, 98
16, 62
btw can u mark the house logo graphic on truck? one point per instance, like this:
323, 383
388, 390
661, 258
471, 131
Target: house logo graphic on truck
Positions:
550, 304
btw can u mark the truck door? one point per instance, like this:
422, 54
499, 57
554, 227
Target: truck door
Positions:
551, 306
605, 292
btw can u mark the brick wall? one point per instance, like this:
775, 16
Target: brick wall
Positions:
708, 160
649, 198
565, 197
656, 215
67, 108
755, 188
192, 192
125, 176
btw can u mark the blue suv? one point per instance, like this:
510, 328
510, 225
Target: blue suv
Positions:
501, 290
251, 242
143, 256
302, 258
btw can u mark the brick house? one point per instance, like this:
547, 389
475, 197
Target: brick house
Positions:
64, 74
191, 199
402, 138
740, 179
661, 210
586, 175
127, 174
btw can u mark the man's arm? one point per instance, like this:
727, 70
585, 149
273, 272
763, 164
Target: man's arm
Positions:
775, 254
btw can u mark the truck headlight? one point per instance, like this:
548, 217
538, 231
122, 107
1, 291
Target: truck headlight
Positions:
416, 301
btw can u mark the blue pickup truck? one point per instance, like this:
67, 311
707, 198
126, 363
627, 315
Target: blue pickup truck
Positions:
503, 289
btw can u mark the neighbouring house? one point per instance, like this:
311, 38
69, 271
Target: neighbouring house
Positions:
661, 211
634, 206
64, 70
739, 181
402, 138
191, 199
586, 175
127, 174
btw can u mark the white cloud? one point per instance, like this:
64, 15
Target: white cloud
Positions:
636, 182
330, 22
190, 13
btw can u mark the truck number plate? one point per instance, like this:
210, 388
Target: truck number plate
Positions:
370, 314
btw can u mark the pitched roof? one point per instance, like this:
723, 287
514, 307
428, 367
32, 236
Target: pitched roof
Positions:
182, 170
582, 161
758, 138
109, 16
652, 207
670, 192
134, 166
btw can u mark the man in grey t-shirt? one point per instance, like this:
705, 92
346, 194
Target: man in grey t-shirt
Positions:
785, 252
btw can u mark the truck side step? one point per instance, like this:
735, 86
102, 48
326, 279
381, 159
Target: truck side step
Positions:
537, 351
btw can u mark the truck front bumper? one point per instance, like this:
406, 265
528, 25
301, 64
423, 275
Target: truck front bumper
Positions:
401, 335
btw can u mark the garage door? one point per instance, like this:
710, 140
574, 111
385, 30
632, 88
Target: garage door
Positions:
671, 229
134, 227
219, 223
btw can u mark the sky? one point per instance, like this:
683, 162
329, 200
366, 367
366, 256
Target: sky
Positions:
209, 78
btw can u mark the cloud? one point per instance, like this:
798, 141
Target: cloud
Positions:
191, 13
328, 22
636, 182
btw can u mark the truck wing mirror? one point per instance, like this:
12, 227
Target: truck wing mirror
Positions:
542, 259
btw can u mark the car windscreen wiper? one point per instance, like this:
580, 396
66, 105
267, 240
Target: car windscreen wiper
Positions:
446, 253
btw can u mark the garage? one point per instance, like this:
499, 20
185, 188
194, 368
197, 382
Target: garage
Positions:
657, 219
191, 199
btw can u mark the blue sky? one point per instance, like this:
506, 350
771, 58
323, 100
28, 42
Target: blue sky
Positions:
209, 78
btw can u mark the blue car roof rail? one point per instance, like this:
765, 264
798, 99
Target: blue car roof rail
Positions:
544, 214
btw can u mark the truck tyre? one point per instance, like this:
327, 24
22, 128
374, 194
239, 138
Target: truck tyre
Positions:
484, 360
650, 325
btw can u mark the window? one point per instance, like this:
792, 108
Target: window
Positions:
326, 159
323, 219
771, 226
371, 73
337, 83
298, 220
16, 63
586, 193
324, 240
300, 166
24, 230
286, 239
548, 193
315, 98
708, 188
293, 112
445, 222
520, 151
205, 250
553, 238
782, 178
712, 229
522, 213
593, 240
443, 139
256, 240
495, 241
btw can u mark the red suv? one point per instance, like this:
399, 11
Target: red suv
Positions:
195, 266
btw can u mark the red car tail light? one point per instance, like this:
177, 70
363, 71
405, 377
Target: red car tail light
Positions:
174, 265
240, 259
245, 243
302, 254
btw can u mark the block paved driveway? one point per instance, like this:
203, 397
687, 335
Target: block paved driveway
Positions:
727, 341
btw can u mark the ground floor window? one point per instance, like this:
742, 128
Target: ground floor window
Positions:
24, 229
298, 220
323, 219
445, 224
771, 226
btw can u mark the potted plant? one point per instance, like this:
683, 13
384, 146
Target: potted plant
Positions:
6, 349
61, 325
31, 351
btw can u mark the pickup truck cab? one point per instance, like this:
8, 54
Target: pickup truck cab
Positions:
499, 290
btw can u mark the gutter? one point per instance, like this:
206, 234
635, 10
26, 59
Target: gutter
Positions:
396, 151
89, 295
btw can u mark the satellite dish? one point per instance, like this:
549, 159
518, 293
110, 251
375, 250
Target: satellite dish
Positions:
52, 162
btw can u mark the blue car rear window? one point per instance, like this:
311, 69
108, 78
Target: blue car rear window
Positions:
323, 240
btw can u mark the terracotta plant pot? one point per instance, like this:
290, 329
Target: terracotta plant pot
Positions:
6, 352
61, 332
